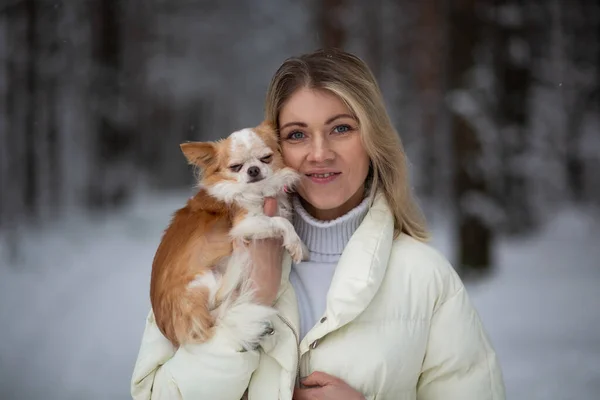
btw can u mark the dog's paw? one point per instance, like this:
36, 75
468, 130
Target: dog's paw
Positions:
268, 331
298, 251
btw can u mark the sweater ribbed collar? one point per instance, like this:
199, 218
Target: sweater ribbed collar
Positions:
326, 240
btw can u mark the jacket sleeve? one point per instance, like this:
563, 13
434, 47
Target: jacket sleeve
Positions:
460, 362
213, 370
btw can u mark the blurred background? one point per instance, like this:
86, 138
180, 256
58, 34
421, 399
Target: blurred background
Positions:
497, 103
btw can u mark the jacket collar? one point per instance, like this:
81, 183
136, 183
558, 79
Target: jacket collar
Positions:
362, 265
357, 277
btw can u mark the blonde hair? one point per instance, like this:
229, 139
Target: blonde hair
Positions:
348, 77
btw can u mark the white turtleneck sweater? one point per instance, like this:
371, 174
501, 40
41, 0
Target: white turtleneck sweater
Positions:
325, 240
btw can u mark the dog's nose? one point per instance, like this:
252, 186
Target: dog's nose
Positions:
253, 172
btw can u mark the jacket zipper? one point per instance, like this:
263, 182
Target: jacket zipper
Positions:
285, 321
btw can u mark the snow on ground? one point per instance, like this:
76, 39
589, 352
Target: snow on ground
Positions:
542, 311
77, 305
73, 311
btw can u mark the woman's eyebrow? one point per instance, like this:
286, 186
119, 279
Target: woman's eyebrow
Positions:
329, 121
335, 117
301, 124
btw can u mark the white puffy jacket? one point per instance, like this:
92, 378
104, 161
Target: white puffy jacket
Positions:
398, 325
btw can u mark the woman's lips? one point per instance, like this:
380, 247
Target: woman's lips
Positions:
324, 177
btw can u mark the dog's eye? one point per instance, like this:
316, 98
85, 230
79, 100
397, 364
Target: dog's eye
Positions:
267, 159
235, 167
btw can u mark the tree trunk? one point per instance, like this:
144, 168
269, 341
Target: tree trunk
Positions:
4, 137
31, 156
474, 235
429, 61
331, 23
374, 39
109, 185
574, 163
512, 70
580, 52
16, 168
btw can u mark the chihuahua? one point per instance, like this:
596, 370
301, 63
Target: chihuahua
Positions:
200, 273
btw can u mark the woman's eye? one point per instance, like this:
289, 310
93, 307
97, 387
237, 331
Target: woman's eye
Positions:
342, 129
235, 167
296, 135
267, 159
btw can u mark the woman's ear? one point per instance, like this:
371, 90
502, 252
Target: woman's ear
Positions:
201, 154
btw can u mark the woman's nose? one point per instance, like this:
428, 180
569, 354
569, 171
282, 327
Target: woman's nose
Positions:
320, 151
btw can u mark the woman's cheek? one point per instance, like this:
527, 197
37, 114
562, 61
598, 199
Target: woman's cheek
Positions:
290, 158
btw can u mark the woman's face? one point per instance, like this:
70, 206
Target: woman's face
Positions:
321, 139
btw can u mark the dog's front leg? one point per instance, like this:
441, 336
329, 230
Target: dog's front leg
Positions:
254, 227
263, 227
291, 241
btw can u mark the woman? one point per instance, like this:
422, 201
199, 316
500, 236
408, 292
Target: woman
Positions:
374, 313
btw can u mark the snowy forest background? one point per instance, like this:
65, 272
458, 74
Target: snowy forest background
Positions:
496, 101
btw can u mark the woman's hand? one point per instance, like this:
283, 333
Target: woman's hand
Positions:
267, 256
323, 386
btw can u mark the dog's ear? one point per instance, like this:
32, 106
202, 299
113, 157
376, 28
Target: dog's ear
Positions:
201, 154
268, 126
267, 130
